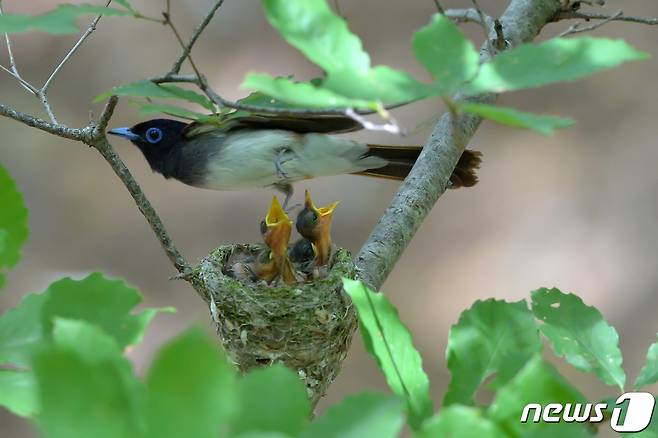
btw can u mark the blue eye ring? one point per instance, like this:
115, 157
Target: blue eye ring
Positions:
153, 135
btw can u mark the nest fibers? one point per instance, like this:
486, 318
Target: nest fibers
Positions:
306, 326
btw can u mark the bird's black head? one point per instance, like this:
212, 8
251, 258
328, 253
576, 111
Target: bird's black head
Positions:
158, 139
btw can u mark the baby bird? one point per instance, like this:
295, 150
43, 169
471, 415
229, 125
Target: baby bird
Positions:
272, 262
314, 224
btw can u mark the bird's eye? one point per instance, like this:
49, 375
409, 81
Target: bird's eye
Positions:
314, 217
154, 135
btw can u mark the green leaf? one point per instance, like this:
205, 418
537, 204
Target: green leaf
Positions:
145, 88
580, 334
83, 394
261, 99
324, 38
449, 56
13, 222
61, 20
649, 373
537, 382
18, 392
556, 60
103, 302
272, 399
365, 415
380, 84
460, 421
191, 388
301, 93
318, 33
389, 341
146, 109
511, 117
492, 337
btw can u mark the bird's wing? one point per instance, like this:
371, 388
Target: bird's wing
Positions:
238, 120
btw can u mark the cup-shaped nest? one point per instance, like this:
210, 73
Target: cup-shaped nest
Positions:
306, 326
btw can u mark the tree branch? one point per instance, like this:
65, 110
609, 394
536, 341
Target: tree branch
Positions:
428, 179
570, 15
175, 69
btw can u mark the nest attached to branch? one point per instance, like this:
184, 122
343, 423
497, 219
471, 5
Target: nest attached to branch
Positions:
306, 326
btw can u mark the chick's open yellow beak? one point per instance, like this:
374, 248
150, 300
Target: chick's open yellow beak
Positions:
276, 215
322, 211
279, 227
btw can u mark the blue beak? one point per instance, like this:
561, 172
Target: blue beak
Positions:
125, 133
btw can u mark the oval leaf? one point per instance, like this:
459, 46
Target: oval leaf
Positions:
556, 60
449, 56
580, 334
509, 116
61, 20
460, 421
538, 382
649, 373
492, 337
389, 341
13, 223
191, 388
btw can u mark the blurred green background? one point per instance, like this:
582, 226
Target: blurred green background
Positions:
578, 210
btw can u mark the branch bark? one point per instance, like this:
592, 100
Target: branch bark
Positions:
428, 180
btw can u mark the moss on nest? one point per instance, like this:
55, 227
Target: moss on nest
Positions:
306, 326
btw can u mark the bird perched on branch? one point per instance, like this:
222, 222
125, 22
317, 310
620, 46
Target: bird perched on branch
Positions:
244, 150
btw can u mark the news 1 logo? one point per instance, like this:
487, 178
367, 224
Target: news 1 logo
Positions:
638, 412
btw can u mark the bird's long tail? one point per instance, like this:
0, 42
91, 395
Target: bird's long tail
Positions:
402, 158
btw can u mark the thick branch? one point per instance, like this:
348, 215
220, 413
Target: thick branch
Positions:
429, 177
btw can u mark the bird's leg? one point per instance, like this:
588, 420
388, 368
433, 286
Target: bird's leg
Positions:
287, 189
278, 165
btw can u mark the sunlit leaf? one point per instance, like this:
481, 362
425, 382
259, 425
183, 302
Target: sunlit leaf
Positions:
492, 337
508, 116
389, 341
556, 60
580, 334
365, 415
301, 93
13, 222
449, 56
18, 392
322, 36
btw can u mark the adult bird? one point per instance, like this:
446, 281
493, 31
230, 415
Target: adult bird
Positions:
244, 150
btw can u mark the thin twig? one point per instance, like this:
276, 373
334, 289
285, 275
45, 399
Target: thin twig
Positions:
76, 46
12, 63
570, 15
577, 29
391, 127
195, 36
439, 8
485, 28
469, 15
